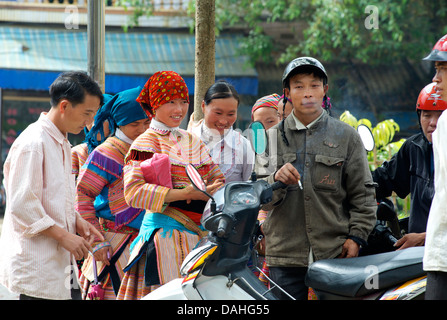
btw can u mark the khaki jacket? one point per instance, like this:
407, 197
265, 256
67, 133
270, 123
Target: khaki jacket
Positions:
337, 200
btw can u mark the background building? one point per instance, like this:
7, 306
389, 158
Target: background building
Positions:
41, 39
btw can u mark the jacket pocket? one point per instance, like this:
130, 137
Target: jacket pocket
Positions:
370, 193
327, 173
288, 158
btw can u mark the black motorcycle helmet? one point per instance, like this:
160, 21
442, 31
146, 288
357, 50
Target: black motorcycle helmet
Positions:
298, 64
303, 65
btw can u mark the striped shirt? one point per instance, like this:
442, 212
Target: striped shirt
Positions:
40, 190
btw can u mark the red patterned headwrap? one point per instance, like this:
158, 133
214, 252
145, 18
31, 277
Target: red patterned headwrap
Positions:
161, 88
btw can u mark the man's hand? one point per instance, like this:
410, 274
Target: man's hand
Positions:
410, 240
350, 249
87, 230
287, 174
76, 245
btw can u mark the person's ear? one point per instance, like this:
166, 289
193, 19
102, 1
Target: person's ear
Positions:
286, 94
63, 105
203, 106
326, 88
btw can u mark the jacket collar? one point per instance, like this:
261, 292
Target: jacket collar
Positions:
121, 145
421, 141
291, 122
51, 129
161, 128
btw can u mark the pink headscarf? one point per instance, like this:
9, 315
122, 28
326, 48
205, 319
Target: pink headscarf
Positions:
270, 101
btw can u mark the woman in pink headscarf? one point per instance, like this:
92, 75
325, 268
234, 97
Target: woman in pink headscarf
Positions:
171, 225
265, 110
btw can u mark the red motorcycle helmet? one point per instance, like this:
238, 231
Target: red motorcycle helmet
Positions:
439, 52
429, 100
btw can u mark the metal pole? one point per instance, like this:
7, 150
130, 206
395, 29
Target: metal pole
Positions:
1, 135
96, 41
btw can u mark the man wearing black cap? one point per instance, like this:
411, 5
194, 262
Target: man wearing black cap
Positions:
328, 208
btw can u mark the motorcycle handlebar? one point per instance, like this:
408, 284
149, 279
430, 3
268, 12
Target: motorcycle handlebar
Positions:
390, 238
222, 227
278, 185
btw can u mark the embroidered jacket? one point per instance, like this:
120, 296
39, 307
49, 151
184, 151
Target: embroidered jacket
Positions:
100, 187
182, 148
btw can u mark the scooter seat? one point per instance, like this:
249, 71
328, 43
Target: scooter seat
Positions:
353, 277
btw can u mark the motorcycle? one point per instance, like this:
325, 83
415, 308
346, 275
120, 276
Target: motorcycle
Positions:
217, 269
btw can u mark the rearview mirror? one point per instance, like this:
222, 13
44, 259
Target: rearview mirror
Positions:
196, 179
199, 184
366, 136
257, 137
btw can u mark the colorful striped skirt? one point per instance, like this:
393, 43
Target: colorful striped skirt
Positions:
170, 249
120, 244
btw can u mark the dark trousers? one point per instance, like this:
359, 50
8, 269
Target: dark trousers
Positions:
436, 286
290, 279
75, 295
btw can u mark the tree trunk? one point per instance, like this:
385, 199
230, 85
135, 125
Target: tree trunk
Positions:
205, 52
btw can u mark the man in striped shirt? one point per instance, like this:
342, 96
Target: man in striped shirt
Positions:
39, 240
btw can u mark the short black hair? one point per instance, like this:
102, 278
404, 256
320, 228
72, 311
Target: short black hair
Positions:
306, 70
221, 89
73, 86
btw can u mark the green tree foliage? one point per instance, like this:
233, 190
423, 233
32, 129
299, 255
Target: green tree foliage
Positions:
383, 134
362, 30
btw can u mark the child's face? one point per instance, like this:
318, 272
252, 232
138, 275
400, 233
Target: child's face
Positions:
306, 93
267, 116
172, 112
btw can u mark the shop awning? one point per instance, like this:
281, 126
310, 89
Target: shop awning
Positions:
31, 58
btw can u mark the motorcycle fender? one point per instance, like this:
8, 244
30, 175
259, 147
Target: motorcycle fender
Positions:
408, 291
189, 287
170, 291
219, 288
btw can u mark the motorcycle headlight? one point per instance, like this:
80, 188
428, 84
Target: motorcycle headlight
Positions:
196, 258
